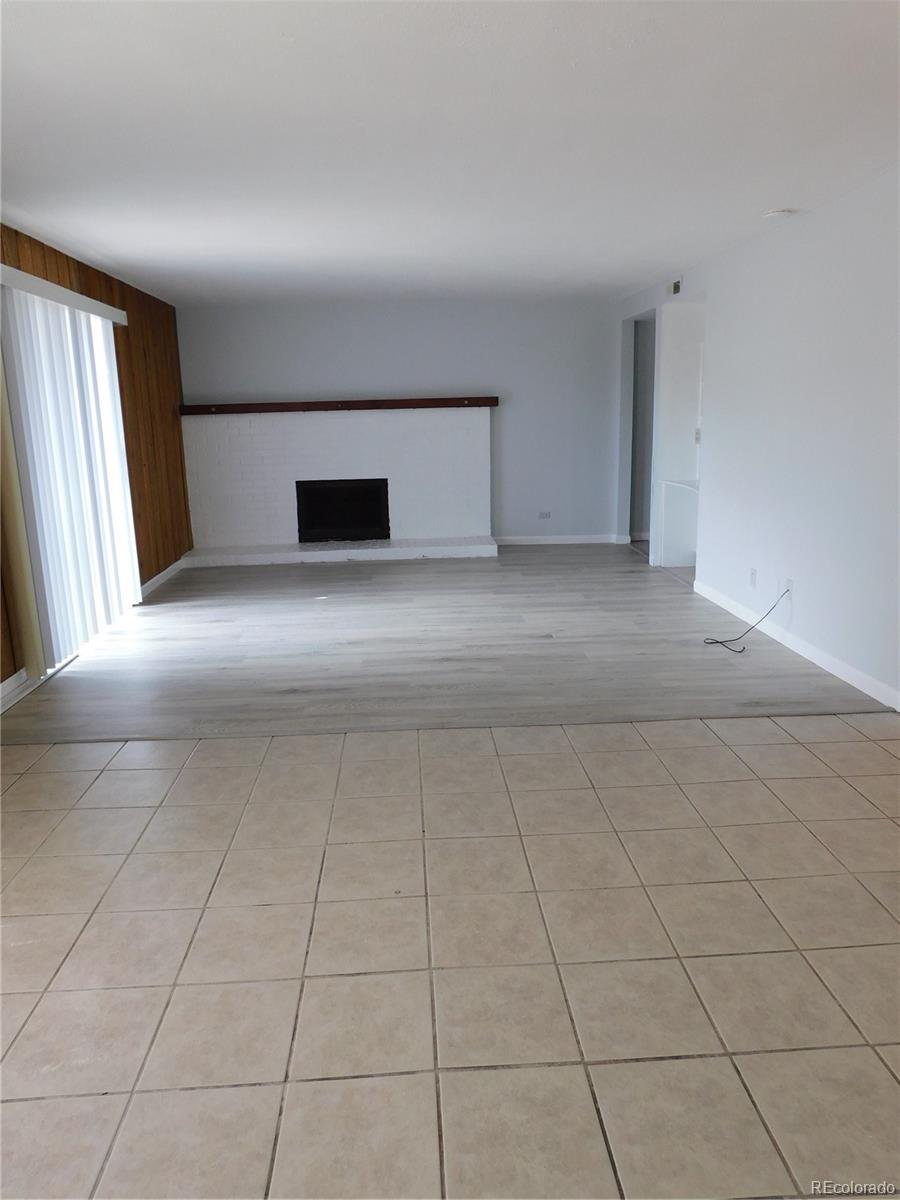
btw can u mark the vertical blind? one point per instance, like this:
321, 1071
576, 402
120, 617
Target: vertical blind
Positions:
67, 425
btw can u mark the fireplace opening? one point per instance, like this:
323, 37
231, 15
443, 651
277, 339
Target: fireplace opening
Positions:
342, 510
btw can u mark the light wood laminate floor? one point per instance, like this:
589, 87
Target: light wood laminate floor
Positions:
540, 635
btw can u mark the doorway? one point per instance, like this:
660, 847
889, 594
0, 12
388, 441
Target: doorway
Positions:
642, 432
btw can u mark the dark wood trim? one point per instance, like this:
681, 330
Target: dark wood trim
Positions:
285, 406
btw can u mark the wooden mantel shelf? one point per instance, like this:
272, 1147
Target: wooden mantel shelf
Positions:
287, 406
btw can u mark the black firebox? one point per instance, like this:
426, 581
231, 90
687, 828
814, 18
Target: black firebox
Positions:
342, 510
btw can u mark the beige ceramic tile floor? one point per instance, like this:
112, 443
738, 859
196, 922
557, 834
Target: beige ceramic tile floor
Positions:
622, 960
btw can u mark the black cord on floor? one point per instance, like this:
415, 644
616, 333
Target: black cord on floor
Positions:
726, 641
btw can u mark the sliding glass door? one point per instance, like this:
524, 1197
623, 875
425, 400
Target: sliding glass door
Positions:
67, 425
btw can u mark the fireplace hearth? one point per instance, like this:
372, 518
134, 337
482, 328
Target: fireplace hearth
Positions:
342, 510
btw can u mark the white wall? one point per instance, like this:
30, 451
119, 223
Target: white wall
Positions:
550, 361
679, 366
242, 470
799, 474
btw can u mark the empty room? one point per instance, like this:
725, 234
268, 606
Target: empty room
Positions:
450, 599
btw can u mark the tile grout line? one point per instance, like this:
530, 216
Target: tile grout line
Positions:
713, 1024
168, 1001
848, 779
797, 948
442, 1166
894, 1070
88, 914
803, 952
765, 1124
864, 740
279, 1120
731, 1055
565, 728
847, 869
793, 820
559, 980
798, 820
63, 813
574, 962
76, 807
764, 782
483, 1067
878, 899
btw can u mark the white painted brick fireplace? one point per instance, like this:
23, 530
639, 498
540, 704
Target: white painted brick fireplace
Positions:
242, 470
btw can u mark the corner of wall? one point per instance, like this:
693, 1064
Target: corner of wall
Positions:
884, 693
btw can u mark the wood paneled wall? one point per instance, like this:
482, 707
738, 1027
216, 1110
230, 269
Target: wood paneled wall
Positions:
11, 658
9, 661
150, 386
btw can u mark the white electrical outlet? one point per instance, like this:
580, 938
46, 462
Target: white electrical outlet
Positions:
753, 577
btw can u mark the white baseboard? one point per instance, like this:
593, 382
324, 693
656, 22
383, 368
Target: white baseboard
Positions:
152, 584
835, 666
391, 550
567, 539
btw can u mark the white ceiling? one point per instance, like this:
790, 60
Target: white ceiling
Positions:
222, 149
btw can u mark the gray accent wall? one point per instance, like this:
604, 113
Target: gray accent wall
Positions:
550, 360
